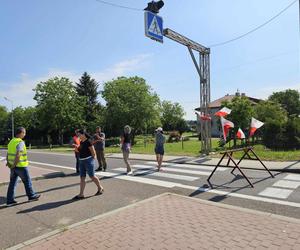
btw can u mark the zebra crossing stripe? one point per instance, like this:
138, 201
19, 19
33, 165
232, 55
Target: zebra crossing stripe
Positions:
276, 192
159, 174
189, 166
287, 184
149, 181
292, 177
177, 170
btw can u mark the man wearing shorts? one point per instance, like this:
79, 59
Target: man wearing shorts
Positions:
159, 146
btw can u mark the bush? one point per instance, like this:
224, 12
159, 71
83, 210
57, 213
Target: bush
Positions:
112, 141
174, 136
277, 136
185, 138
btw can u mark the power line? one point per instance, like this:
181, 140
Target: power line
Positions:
119, 6
216, 44
255, 29
259, 60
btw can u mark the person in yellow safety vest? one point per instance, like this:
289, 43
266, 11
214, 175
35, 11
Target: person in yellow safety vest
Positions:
18, 163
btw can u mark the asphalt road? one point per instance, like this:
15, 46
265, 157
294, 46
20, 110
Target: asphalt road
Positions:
55, 209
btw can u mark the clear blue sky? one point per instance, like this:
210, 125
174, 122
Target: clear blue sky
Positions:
41, 39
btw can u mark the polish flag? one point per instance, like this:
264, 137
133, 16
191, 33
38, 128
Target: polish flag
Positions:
223, 112
202, 116
240, 134
226, 125
255, 124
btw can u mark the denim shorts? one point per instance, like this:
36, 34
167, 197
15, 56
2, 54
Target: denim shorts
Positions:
126, 147
87, 165
159, 150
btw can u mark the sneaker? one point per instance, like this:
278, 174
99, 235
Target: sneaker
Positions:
130, 173
11, 203
98, 169
35, 198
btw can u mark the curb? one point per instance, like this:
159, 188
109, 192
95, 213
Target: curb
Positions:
211, 203
57, 231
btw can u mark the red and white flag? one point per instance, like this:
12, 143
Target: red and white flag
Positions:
255, 124
202, 116
226, 125
240, 134
223, 112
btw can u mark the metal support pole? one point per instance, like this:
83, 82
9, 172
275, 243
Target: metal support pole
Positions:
204, 74
205, 100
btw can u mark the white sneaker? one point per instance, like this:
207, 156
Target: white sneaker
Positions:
130, 173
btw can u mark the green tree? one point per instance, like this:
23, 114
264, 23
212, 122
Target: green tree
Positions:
267, 111
288, 99
59, 107
130, 101
242, 111
292, 134
275, 119
88, 88
28, 118
172, 116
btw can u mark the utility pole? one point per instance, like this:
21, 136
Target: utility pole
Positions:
12, 117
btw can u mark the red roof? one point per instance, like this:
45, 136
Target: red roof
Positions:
218, 103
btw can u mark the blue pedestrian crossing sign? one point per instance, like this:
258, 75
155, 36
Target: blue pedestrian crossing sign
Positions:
154, 26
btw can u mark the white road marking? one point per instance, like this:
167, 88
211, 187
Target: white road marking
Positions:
287, 184
276, 192
50, 170
161, 174
2, 158
51, 165
168, 184
48, 153
292, 177
154, 182
190, 166
170, 169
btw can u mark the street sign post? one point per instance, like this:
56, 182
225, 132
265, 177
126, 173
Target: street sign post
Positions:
154, 29
154, 26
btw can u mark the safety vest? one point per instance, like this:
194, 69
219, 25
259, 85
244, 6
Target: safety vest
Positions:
12, 151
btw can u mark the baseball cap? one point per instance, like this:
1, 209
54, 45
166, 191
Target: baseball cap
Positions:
159, 129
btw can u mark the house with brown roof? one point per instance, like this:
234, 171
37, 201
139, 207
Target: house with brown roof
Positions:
216, 105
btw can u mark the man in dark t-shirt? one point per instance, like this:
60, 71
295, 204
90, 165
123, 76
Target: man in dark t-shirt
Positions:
99, 145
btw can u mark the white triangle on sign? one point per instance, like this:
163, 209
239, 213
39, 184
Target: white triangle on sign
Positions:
154, 27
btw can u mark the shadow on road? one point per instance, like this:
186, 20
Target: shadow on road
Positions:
50, 205
237, 177
180, 160
291, 165
3, 199
46, 206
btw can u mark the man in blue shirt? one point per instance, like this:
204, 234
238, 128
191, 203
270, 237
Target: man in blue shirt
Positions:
99, 145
